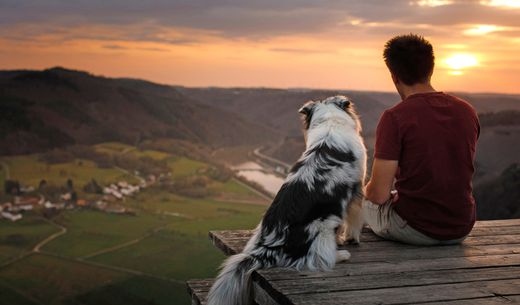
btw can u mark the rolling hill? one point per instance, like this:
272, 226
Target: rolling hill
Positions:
57, 107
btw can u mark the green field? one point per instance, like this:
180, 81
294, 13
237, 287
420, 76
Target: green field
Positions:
186, 240
91, 231
30, 171
19, 237
52, 280
182, 167
95, 261
2, 176
232, 186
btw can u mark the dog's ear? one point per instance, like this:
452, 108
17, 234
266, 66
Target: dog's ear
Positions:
307, 108
342, 102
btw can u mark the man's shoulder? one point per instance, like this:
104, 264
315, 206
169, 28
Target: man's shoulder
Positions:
413, 103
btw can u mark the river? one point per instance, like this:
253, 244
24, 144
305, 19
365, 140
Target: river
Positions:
253, 171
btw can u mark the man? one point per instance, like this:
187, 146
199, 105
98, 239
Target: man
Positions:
425, 148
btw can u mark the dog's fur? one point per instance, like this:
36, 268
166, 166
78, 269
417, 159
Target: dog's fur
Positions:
306, 219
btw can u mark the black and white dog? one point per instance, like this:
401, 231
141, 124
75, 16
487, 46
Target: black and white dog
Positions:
306, 219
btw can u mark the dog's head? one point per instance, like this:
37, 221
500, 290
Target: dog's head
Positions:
340, 108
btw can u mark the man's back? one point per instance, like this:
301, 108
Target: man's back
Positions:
433, 136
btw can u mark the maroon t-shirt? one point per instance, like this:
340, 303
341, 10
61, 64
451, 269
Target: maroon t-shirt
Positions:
433, 137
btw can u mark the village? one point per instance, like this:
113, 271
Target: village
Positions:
28, 200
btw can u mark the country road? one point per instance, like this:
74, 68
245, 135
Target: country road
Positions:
62, 231
257, 153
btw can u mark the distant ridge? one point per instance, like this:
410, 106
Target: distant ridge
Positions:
58, 107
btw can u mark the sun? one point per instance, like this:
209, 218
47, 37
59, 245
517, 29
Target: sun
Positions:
458, 62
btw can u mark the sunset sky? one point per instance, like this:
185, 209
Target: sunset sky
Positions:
267, 43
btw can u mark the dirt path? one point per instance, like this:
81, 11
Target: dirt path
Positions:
123, 245
62, 231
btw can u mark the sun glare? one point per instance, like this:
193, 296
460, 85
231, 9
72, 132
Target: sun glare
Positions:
461, 61
482, 29
432, 3
502, 3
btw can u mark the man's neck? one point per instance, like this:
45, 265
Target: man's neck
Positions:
406, 91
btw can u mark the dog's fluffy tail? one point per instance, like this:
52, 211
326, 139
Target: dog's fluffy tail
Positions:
233, 284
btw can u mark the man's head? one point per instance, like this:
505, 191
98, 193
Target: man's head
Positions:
410, 59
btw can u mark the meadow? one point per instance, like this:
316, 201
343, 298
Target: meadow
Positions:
114, 259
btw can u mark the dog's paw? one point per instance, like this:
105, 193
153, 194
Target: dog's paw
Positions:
342, 255
341, 239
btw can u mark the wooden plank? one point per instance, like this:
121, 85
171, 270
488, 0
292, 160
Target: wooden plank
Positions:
498, 223
198, 290
397, 279
352, 269
396, 249
365, 254
498, 300
232, 242
413, 295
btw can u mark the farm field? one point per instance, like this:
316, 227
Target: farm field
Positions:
20, 237
104, 258
30, 171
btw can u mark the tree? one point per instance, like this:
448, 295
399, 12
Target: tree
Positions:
12, 187
70, 185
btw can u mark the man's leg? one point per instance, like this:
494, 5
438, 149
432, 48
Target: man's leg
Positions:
385, 222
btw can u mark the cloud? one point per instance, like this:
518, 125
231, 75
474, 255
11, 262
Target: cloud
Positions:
180, 22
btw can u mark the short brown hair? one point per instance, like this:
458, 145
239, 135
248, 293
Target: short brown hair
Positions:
410, 58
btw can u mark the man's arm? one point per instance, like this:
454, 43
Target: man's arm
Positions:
382, 180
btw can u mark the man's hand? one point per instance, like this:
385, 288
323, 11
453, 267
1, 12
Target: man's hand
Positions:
380, 185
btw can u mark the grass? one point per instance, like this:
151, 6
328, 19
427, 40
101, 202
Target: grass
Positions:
91, 231
10, 296
203, 208
154, 154
52, 280
2, 177
180, 250
21, 236
168, 254
113, 147
182, 167
232, 186
185, 241
30, 171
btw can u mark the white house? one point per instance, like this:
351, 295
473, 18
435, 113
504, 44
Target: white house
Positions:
11, 216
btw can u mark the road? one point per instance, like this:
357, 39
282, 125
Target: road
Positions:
62, 231
257, 153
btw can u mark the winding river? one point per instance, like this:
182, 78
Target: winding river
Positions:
255, 172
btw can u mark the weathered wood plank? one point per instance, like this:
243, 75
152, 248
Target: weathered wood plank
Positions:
232, 242
397, 279
389, 248
498, 223
198, 290
365, 254
498, 300
484, 268
412, 295
351, 269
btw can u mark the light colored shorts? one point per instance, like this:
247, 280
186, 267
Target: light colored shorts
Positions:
385, 222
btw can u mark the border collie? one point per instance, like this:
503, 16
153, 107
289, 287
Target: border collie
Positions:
306, 219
